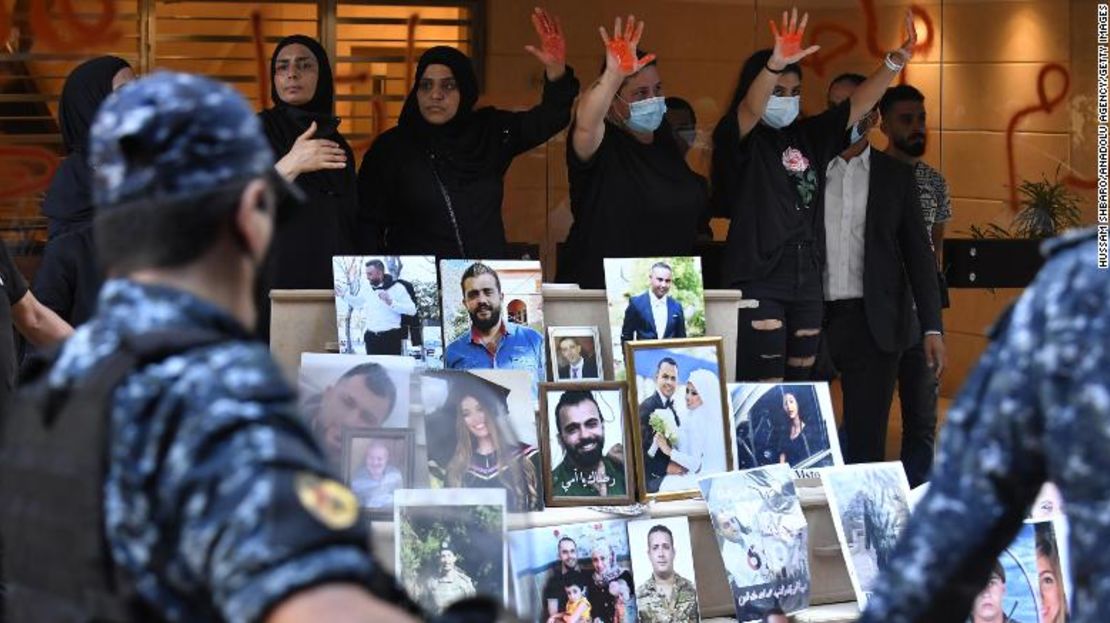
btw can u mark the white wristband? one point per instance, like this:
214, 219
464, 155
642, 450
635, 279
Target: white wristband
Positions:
888, 60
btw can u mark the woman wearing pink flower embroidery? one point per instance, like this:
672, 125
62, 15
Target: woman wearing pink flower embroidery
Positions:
769, 177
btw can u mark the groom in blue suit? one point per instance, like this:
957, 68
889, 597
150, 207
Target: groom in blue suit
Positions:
654, 315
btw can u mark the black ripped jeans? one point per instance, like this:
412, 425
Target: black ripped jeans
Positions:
779, 338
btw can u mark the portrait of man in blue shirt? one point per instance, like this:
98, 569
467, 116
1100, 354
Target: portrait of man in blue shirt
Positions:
493, 341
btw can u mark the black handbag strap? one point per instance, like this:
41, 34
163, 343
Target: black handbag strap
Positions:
450, 205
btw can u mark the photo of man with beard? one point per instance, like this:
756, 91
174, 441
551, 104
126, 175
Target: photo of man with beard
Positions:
585, 471
494, 340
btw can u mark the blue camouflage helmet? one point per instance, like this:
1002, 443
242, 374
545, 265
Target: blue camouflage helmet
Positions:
173, 135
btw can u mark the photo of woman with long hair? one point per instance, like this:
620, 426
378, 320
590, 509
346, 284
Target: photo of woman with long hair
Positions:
794, 447
789, 427
1050, 580
487, 454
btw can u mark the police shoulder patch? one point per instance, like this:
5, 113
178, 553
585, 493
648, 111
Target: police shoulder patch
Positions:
330, 502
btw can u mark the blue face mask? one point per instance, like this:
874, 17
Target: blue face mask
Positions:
782, 111
646, 115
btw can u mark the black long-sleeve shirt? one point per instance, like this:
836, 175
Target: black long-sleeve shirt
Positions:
402, 207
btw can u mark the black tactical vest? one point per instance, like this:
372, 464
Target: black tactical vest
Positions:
53, 460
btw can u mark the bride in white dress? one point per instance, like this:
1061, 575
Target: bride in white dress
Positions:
701, 448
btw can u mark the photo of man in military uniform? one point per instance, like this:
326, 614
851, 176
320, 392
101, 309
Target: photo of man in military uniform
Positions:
451, 584
666, 596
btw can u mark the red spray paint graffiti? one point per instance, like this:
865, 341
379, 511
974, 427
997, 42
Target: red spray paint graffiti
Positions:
820, 61
80, 34
260, 60
29, 170
1044, 104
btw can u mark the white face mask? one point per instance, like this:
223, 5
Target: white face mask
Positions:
782, 111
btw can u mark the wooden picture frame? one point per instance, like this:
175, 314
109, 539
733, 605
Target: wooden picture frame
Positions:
393, 437
607, 396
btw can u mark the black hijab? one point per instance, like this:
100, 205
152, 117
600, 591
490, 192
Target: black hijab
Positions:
68, 201
285, 122
323, 101
465, 142
85, 88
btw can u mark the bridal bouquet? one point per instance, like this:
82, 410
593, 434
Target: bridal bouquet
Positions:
662, 422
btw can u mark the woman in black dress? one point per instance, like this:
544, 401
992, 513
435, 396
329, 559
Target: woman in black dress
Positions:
433, 185
769, 177
304, 133
631, 191
68, 280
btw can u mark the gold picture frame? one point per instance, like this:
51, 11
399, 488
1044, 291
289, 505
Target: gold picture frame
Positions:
689, 356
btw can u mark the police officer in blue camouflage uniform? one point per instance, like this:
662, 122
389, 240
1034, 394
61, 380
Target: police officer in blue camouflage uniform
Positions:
1036, 408
218, 503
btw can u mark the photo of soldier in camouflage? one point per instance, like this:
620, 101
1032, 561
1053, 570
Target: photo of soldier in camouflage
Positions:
450, 545
662, 561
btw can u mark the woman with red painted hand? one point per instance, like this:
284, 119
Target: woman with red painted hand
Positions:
304, 133
631, 192
769, 177
433, 185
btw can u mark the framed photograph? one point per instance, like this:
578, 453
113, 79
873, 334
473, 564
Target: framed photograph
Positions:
791, 423
493, 301
677, 391
575, 354
585, 430
480, 429
450, 545
388, 305
661, 552
653, 298
574, 568
376, 463
346, 392
869, 504
763, 537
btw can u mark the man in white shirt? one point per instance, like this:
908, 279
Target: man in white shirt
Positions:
382, 308
878, 264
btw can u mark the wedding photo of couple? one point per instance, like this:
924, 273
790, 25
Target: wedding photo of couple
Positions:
680, 402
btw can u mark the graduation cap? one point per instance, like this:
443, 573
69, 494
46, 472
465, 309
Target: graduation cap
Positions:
440, 424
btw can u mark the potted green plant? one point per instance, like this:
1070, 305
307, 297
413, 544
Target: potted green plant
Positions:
1047, 209
997, 257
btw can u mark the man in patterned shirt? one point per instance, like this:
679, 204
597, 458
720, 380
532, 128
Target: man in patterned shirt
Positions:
218, 503
1035, 409
903, 123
